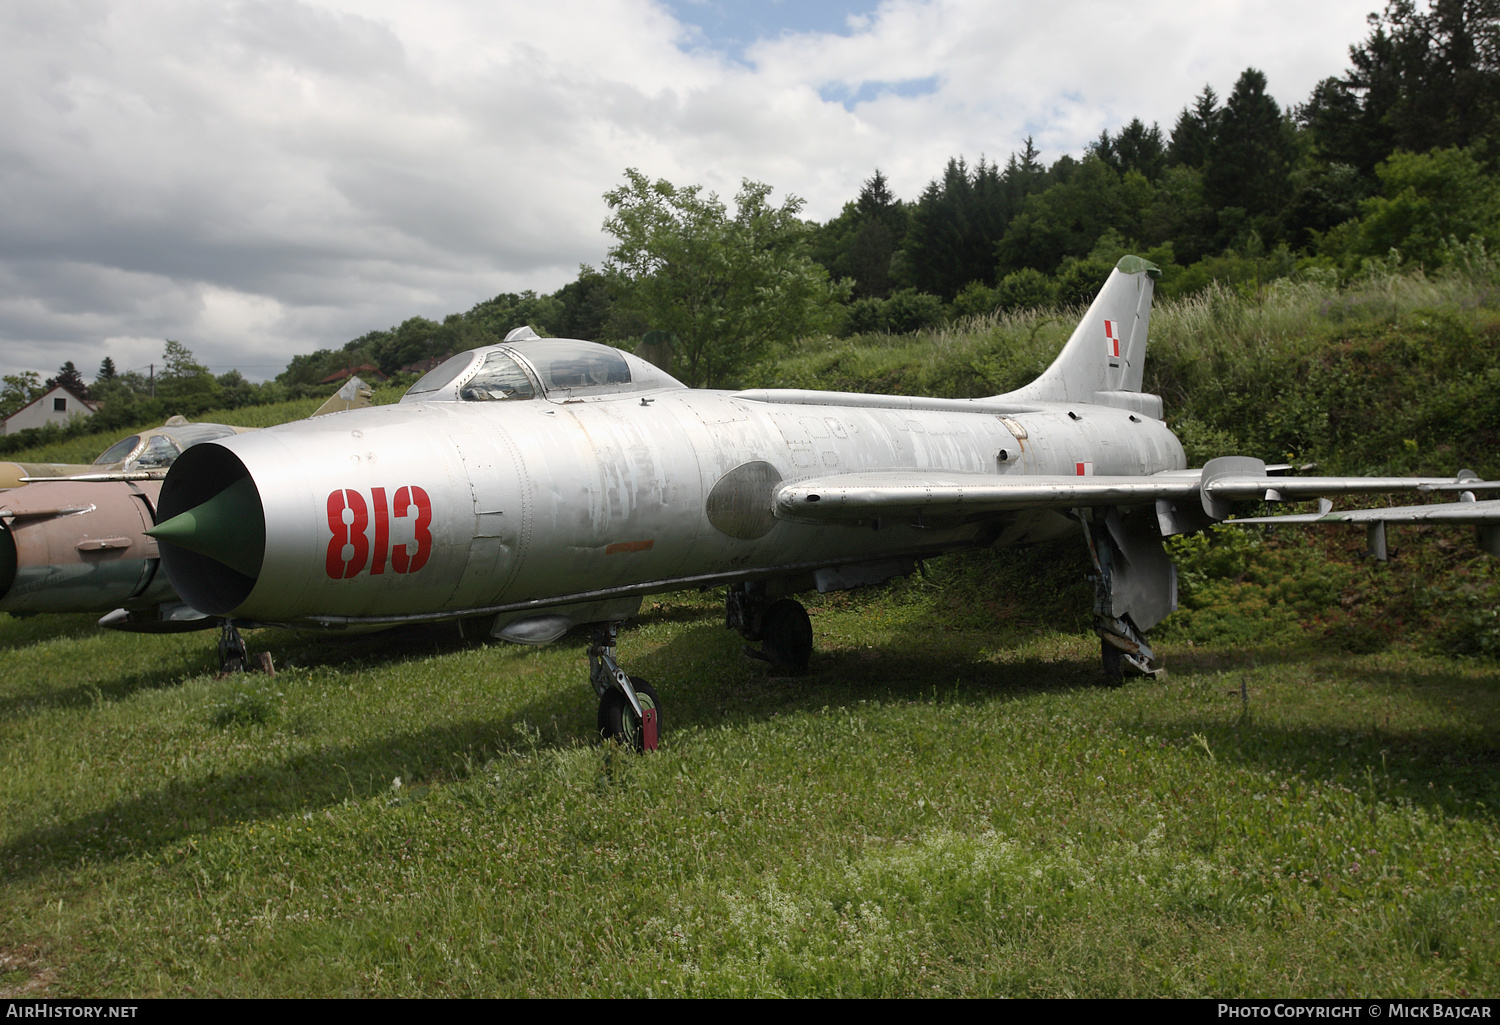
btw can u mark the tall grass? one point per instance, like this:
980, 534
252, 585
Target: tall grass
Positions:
1394, 373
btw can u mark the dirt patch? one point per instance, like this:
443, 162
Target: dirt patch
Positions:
23, 974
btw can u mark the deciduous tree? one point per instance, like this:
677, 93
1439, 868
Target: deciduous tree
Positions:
728, 286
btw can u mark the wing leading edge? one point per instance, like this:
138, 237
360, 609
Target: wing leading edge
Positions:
853, 498
859, 497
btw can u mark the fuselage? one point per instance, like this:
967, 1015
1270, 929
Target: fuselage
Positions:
449, 508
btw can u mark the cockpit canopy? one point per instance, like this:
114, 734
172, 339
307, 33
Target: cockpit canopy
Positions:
559, 369
157, 449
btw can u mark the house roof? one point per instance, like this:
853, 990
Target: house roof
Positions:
49, 393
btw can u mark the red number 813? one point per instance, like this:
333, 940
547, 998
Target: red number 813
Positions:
352, 533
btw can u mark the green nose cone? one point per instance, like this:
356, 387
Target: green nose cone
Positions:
228, 528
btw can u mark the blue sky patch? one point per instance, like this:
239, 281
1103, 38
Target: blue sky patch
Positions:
731, 26
839, 92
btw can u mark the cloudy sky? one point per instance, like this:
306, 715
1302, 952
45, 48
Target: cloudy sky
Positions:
258, 179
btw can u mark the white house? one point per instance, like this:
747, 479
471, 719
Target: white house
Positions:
57, 406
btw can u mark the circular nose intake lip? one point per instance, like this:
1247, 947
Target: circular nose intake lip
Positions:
211, 528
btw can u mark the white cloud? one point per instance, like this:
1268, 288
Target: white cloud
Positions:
259, 179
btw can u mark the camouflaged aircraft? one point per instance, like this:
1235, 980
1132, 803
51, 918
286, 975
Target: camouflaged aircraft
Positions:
73, 537
537, 485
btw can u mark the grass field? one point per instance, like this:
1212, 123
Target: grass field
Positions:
943, 805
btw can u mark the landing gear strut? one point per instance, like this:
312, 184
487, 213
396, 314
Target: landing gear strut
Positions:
782, 626
233, 658
629, 710
1134, 584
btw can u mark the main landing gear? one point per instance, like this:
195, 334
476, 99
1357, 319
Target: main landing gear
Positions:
781, 626
629, 710
1135, 587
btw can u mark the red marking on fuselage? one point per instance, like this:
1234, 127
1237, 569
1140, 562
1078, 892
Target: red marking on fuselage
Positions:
382, 532
629, 546
402, 559
351, 534
405, 558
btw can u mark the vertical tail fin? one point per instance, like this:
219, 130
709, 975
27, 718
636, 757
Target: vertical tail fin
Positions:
1104, 359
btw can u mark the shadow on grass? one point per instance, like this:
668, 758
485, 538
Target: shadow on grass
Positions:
147, 822
305, 650
83, 695
703, 676
707, 677
1445, 769
24, 631
1450, 766
705, 680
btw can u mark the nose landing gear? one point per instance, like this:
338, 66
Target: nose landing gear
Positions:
629, 710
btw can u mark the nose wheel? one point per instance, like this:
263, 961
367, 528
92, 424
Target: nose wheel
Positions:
619, 722
786, 635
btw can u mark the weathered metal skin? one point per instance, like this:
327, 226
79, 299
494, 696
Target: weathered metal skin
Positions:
547, 503
79, 547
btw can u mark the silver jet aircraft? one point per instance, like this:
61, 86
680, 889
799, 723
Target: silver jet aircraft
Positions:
542, 484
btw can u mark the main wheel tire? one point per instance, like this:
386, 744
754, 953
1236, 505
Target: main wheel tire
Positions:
618, 721
1114, 667
786, 635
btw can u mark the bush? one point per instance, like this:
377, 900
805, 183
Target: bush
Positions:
909, 310
866, 317
1025, 289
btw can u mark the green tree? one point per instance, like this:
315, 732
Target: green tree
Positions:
975, 300
586, 305
908, 310
884, 221
1068, 218
1135, 148
951, 241
185, 384
17, 390
1428, 200
1024, 289
1251, 158
1422, 80
728, 287
69, 378
506, 312
1194, 131
235, 391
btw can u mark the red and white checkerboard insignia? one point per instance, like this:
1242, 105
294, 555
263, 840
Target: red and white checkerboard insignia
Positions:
1112, 338
1083, 469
